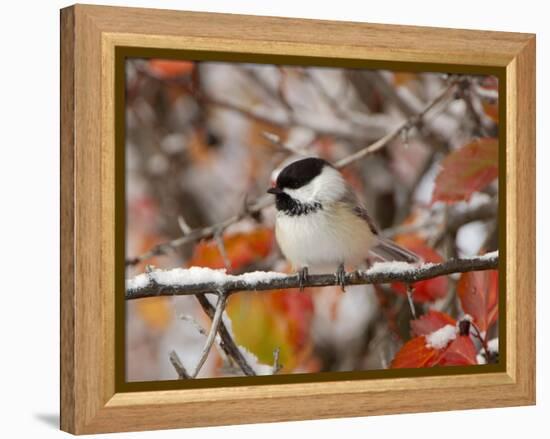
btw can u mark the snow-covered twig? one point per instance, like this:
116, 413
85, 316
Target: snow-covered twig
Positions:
253, 209
198, 280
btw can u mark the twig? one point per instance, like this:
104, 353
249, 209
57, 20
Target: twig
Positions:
281, 92
481, 339
410, 292
178, 365
276, 140
204, 233
220, 307
226, 340
276, 365
410, 122
192, 321
335, 127
409, 273
334, 103
408, 105
455, 220
202, 331
483, 211
218, 237
265, 201
184, 227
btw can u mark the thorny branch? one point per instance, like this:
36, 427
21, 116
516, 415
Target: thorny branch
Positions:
406, 274
253, 209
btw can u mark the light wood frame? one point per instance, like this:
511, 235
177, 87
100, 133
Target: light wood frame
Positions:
89, 403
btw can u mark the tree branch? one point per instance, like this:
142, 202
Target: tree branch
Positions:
257, 206
380, 273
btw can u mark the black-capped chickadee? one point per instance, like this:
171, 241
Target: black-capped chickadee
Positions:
320, 222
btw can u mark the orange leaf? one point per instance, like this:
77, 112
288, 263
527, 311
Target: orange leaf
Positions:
166, 69
478, 293
414, 353
426, 290
242, 249
430, 322
467, 170
460, 352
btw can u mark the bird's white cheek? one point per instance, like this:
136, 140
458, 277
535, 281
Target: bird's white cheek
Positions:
303, 194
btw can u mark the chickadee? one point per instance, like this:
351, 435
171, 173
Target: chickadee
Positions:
321, 223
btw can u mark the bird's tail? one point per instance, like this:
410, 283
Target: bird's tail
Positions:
387, 250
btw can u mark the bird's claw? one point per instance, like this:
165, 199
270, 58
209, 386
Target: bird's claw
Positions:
303, 277
341, 277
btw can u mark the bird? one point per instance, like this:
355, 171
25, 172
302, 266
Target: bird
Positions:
321, 223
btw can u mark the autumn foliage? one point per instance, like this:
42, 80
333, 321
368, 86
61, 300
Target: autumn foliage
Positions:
467, 170
202, 136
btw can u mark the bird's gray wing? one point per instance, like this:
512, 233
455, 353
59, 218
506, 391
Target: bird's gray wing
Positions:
361, 212
350, 199
385, 249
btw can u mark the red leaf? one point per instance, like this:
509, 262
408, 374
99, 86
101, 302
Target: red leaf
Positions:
414, 353
425, 290
430, 322
460, 352
242, 249
478, 293
165, 68
467, 170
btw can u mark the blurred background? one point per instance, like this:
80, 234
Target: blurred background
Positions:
205, 138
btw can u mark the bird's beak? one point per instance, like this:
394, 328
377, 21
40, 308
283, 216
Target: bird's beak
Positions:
274, 190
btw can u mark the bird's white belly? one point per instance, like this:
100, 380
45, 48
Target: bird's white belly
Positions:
324, 239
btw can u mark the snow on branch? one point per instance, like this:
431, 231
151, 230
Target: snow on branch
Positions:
254, 208
199, 280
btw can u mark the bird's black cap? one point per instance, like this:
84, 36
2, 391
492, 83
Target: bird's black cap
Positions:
300, 173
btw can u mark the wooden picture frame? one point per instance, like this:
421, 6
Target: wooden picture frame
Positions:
90, 36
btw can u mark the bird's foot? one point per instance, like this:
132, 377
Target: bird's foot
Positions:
341, 277
303, 275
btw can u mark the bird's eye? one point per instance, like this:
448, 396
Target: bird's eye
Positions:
294, 184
